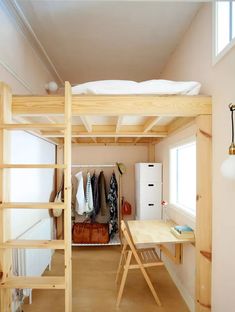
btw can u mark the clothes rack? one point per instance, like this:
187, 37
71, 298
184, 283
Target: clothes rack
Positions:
116, 239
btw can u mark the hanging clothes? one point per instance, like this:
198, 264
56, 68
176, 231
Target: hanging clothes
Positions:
89, 196
104, 214
95, 193
80, 196
113, 205
102, 194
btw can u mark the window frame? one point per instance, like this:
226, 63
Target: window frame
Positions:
216, 57
181, 209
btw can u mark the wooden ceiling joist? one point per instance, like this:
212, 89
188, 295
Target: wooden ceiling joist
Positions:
119, 123
86, 123
110, 135
36, 132
179, 123
114, 105
118, 126
151, 122
88, 126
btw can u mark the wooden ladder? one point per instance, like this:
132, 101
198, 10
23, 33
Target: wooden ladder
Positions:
7, 280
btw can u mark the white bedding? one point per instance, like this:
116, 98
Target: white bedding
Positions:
155, 86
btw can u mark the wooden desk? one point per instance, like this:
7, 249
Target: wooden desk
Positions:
150, 233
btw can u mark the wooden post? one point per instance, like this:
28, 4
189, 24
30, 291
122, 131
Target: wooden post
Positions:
203, 214
67, 197
59, 220
151, 152
5, 255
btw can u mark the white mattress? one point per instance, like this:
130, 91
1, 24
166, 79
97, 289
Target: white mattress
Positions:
161, 87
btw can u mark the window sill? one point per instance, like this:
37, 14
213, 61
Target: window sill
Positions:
180, 216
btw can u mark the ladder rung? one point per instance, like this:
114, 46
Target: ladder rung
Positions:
44, 282
32, 166
34, 244
33, 126
28, 205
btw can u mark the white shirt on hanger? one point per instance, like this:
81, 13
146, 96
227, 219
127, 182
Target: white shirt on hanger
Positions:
89, 196
80, 196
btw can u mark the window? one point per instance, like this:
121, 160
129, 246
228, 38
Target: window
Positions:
224, 26
183, 176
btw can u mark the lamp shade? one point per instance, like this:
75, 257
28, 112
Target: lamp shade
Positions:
228, 167
51, 86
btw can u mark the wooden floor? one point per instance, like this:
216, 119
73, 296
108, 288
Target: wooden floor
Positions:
94, 286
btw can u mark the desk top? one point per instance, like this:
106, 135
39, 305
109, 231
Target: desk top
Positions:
148, 233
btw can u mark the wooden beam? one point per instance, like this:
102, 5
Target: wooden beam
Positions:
111, 128
151, 122
59, 177
28, 205
31, 126
118, 125
42, 282
151, 153
33, 244
67, 197
87, 125
5, 226
51, 119
110, 135
110, 144
36, 133
178, 124
113, 105
204, 213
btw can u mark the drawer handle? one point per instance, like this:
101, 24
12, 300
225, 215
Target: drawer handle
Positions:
150, 165
150, 184
151, 204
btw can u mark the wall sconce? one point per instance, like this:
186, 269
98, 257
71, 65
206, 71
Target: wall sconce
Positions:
228, 166
51, 87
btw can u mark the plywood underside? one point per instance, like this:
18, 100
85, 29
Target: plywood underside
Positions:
111, 119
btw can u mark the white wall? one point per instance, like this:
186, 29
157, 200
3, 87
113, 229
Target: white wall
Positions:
20, 65
23, 70
193, 60
30, 185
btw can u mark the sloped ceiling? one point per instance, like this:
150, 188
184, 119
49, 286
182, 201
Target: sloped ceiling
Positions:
96, 40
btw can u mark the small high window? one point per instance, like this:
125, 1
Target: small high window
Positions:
224, 22
183, 176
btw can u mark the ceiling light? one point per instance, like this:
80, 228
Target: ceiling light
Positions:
51, 87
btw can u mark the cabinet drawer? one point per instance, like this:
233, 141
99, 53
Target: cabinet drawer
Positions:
149, 172
151, 191
150, 211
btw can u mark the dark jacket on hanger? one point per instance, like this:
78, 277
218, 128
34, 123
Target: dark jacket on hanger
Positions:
113, 205
102, 194
95, 193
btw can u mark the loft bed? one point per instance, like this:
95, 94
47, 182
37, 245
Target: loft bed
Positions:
67, 119
126, 119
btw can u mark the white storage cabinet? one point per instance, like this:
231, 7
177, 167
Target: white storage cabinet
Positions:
148, 191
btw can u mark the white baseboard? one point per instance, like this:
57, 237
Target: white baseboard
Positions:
183, 291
